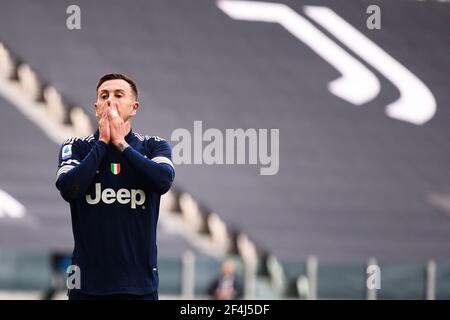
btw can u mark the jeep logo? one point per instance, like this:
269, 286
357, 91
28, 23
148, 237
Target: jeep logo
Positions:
123, 196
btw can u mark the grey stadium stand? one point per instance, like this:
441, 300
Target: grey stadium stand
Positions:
353, 183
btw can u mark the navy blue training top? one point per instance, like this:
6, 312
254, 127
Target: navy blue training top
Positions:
114, 202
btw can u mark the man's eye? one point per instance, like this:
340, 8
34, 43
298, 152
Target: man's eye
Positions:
118, 95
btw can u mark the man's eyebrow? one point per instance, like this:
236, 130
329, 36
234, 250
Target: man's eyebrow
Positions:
106, 91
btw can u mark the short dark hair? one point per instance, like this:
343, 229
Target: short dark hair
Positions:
113, 76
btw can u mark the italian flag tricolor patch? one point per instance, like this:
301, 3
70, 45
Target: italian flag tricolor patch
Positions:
115, 168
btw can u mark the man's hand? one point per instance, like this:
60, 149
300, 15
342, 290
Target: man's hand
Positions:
117, 128
103, 128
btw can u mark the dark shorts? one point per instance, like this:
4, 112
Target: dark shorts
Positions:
77, 295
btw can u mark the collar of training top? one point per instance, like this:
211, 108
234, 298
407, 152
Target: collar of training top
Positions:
127, 137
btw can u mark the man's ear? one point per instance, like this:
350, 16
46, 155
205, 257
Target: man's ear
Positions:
135, 108
96, 110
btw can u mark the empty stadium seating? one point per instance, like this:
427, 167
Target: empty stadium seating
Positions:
354, 181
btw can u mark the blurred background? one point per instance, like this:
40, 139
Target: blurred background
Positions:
361, 99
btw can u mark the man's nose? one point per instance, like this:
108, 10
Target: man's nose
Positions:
111, 101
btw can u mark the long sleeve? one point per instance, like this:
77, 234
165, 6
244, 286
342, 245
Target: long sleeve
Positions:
75, 175
157, 173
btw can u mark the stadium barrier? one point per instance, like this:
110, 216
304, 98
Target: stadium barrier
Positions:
190, 276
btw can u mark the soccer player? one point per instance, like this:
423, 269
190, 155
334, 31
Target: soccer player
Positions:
113, 181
